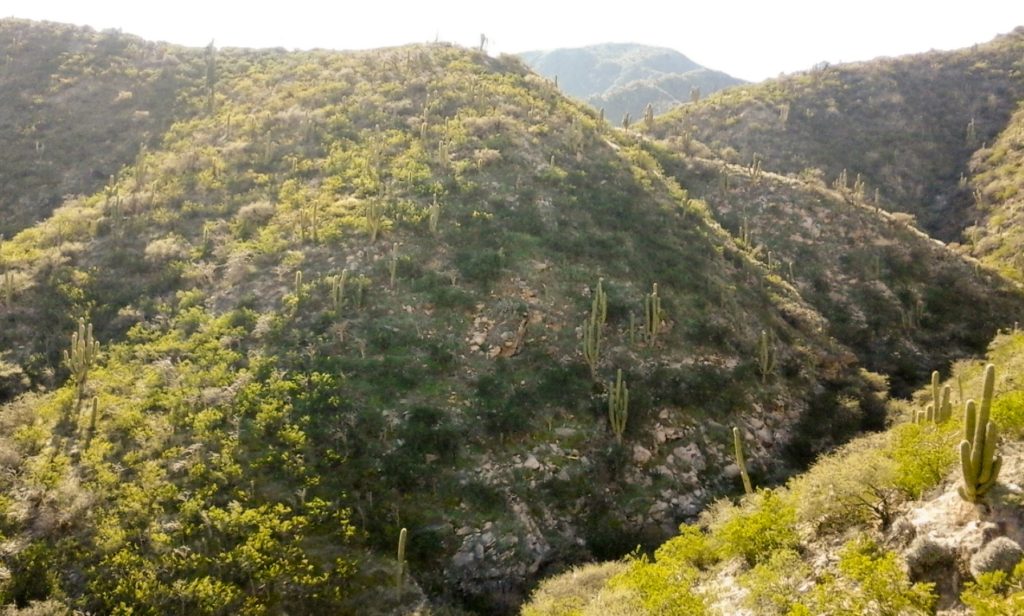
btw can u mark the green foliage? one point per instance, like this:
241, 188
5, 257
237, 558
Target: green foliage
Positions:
774, 586
869, 580
979, 463
765, 523
996, 593
922, 454
663, 586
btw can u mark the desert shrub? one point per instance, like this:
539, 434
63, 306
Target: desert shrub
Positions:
1000, 554
662, 586
922, 454
570, 593
869, 580
849, 487
773, 586
1008, 412
766, 522
996, 593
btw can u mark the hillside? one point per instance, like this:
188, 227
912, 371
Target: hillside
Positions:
623, 78
51, 77
907, 127
878, 527
342, 294
997, 183
903, 302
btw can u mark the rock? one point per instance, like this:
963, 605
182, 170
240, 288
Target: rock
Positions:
641, 455
565, 432
1000, 554
926, 554
531, 463
732, 471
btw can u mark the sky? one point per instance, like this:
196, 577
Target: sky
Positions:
750, 39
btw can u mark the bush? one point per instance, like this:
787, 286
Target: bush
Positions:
765, 523
573, 591
996, 593
774, 585
923, 454
1000, 554
870, 580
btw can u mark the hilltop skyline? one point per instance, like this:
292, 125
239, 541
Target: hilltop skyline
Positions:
749, 40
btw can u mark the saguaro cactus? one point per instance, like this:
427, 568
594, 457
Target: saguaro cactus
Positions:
338, 290
592, 327
653, 315
400, 577
80, 358
618, 406
978, 460
737, 443
766, 355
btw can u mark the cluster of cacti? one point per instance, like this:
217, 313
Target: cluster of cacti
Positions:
841, 181
941, 408
695, 94
618, 406
400, 576
625, 121
972, 132
649, 116
309, 223
858, 186
755, 169
338, 290
979, 463
653, 315
374, 212
741, 462
80, 358
593, 325
766, 355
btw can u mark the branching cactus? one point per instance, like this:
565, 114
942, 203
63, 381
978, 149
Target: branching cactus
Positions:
618, 406
592, 328
80, 358
338, 290
737, 443
941, 408
978, 460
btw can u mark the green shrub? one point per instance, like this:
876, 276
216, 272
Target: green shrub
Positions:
774, 585
765, 523
870, 580
663, 587
570, 593
923, 455
996, 593
1008, 413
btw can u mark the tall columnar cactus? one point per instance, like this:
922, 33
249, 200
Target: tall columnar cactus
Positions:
374, 211
338, 290
978, 460
737, 443
941, 408
298, 288
80, 358
435, 215
766, 355
393, 265
618, 406
400, 577
592, 327
8, 289
649, 116
653, 315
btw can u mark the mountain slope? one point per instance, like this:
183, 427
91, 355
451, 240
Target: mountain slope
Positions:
263, 432
623, 78
906, 126
997, 181
903, 302
53, 76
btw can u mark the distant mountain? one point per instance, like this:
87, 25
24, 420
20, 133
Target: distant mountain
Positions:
625, 77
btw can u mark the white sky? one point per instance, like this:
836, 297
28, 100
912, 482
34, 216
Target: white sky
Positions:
751, 39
